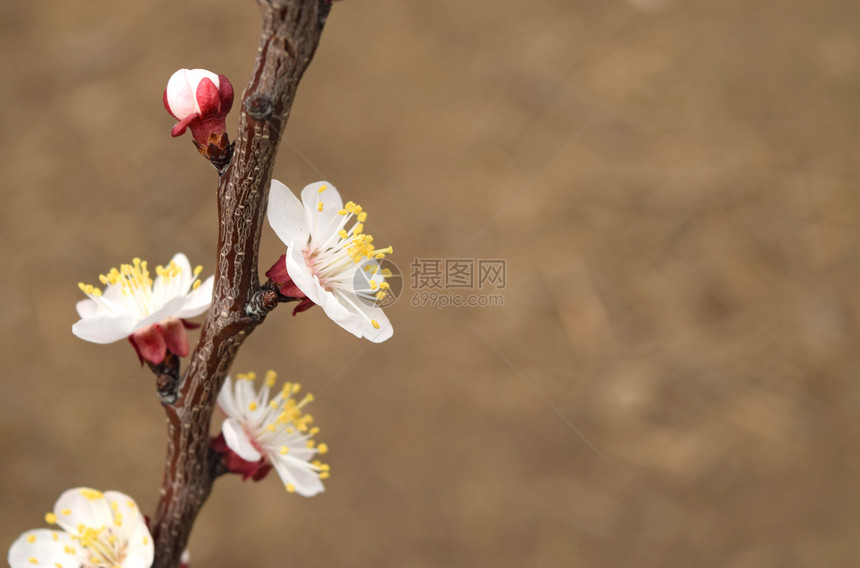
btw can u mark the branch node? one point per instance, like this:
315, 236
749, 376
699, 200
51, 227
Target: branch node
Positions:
263, 301
259, 107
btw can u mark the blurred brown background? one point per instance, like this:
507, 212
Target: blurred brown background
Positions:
674, 187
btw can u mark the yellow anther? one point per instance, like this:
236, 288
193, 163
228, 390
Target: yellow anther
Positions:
310, 444
114, 506
145, 540
342, 212
322, 188
314, 431
357, 229
373, 284
384, 285
322, 448
66, 512
362, 217
197, 270
271, 377
284, 450
342, 233
270, 427
320, 206
296, 388
375, 324
381, 294
290, 487
324, 475
196, 285
92, 494
386, 272
31, 538
58, 565
50, 518
273, 404
253, 406
55, 536
32, 560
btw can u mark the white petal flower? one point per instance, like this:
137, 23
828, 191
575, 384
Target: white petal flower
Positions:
274, 432
132, 302
99, 530
330, 258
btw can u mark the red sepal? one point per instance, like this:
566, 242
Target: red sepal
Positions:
149, 344
225, 94
173, 331
207, 98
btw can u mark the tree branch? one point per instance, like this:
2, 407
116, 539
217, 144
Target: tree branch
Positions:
289, 36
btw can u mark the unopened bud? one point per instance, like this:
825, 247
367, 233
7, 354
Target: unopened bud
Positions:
200, 101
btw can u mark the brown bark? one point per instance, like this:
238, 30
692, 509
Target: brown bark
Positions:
290, 34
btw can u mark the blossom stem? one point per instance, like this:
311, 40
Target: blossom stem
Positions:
166, 378
290, 33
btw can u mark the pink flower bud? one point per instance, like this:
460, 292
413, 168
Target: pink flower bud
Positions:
199, 100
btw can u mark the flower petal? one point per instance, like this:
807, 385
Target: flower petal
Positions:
326, 221
286, 215
198, 301
238, 441
169, 309
104, 328
89, 308
374, 314
300, 475
132, 527
47, 548
82, 505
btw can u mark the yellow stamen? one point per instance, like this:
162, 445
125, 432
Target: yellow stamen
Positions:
271, 377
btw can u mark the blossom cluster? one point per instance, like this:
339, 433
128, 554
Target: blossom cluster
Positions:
330, 261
